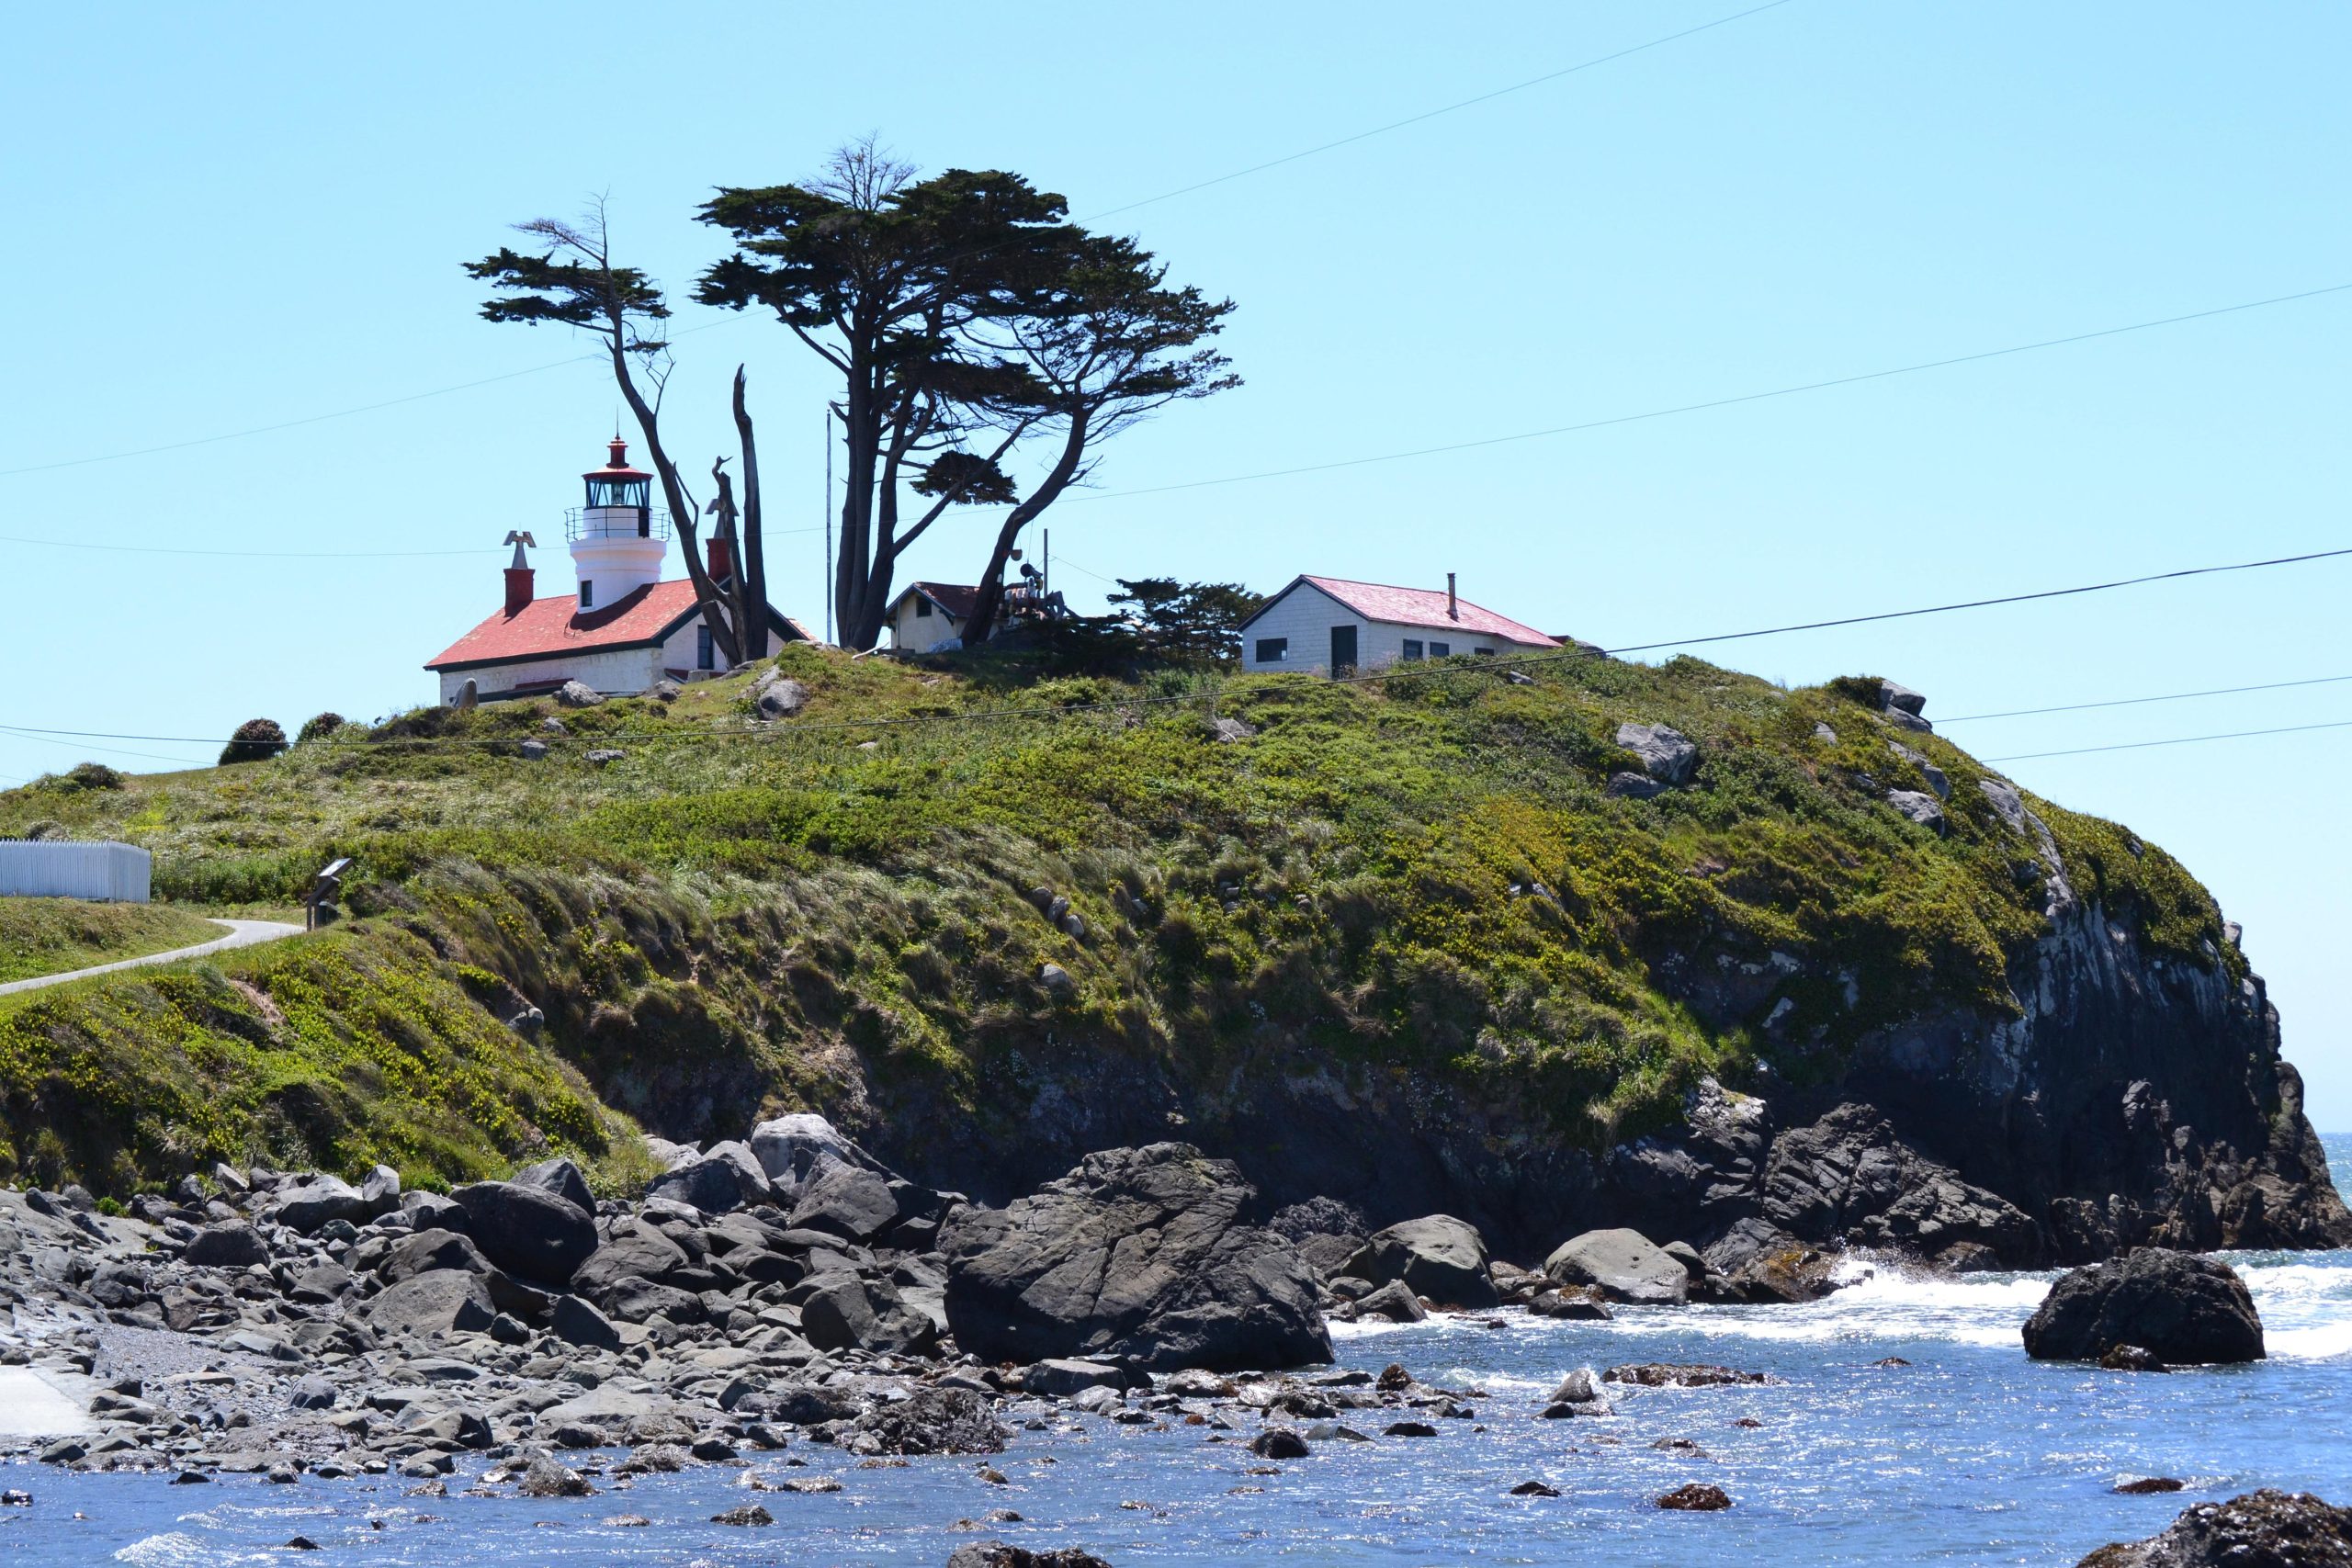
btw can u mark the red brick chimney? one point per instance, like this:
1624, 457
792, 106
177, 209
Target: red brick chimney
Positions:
722, 559
520, 578
1453, 605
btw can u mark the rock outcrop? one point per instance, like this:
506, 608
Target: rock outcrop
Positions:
2176, 1306
1437, 1256
2261, 1529
1142, 1257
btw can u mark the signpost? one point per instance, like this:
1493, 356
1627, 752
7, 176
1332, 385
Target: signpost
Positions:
325, 889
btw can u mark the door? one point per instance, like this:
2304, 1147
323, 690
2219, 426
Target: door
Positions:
1343, 648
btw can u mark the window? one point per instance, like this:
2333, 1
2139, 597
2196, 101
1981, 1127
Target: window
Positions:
703, 653
1412, 649
587, 594
923, 608
1273, 649
1482, 653
1438, 650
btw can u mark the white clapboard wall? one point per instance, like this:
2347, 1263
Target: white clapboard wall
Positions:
56, 868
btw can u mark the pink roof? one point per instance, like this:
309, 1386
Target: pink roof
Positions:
554, 628
1423, 607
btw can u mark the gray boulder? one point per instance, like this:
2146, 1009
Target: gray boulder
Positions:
1919, 807
310, 1203
1632, 786
577, 694
1138, 1255
710, 1183
1060, 1378
2260, 1529
525, 1231
577, 1322
1667, 755
845, 1312
443, 1300
231, 1244
2182, 1308
635, 1250
1392, 1303
846, 1201
1621, 1266
778, 696
788, 1147
1438, 1256
1900, 699
561, 1177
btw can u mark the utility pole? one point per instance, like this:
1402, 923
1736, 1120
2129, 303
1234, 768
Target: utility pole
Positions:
831, 414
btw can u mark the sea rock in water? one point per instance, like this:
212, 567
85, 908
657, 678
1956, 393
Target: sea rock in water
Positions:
1438, 1256
1392, 1303
1138, 1255
933, 1421
1697, 1497
999, 1554
2181, 1308
2260, 1529
1621, 1265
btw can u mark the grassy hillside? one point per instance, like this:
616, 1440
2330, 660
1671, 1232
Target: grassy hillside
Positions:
49, 936
1421, 874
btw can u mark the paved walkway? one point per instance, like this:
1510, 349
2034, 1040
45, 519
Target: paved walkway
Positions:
242, 933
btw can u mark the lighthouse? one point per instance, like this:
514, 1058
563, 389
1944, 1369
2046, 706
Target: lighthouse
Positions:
625, 631
618, 541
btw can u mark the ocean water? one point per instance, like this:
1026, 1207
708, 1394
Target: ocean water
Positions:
1970, 1454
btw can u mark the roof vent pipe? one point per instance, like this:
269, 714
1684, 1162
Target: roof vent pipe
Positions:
1453, 605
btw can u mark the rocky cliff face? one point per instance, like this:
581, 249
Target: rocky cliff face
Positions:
2130, 1099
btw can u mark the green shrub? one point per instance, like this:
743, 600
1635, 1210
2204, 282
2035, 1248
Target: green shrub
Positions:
318, 727
255, 741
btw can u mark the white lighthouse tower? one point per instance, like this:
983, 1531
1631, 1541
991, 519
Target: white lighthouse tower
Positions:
618, 540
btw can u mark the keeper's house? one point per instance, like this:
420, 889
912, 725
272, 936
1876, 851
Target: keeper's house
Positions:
622, 630
1329, 626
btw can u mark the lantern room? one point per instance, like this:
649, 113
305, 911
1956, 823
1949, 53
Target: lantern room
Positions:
617, 539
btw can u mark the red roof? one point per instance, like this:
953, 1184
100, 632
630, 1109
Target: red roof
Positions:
554, 628
1419, 607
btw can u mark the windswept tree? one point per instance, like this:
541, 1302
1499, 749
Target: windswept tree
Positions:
965, 314
1102, 345
1189, 623
572, 280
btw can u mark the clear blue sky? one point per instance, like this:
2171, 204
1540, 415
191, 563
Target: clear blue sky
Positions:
226, 220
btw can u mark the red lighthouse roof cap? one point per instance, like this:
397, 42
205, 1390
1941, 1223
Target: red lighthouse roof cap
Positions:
617, 468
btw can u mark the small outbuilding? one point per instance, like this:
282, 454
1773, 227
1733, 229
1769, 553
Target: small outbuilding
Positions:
1329, 624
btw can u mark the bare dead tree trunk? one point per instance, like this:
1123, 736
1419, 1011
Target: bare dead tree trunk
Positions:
752, 571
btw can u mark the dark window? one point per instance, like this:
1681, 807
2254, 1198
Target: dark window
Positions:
1482, 653
703, 653
1412, 647
1343, 648
587, 594
923, 607
1273, 649
1438, 650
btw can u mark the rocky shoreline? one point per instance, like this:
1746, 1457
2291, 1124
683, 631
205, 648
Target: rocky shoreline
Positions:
769, 1294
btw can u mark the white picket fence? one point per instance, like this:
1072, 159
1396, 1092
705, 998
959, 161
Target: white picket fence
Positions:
56, 868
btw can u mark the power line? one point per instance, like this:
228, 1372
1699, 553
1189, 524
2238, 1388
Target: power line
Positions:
1982, 604
2176, 740
1145, 201
2135, 702
1433, 114
1856, 380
